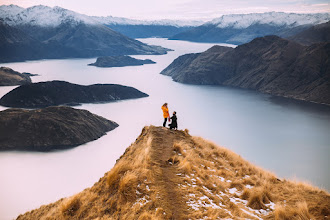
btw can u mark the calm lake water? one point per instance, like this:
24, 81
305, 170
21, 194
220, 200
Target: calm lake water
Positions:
288, 138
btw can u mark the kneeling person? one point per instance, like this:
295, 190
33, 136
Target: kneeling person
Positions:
174, 124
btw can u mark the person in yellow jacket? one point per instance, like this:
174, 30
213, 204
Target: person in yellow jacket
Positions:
165, 113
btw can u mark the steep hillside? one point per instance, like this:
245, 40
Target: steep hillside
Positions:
316, 34
16, 45
9, 77
50, 128
242, 28
269, 64
50, 93
169, 174
60, 33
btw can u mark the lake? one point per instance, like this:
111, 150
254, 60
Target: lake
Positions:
289, 138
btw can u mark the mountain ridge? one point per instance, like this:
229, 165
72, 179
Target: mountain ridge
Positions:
315, 34
168, 174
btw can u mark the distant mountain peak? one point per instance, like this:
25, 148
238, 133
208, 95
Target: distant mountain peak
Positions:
52, 16
110, 20
42, 15
241, 21
242, 28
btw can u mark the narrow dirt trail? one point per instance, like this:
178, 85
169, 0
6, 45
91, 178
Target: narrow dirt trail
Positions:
165, 175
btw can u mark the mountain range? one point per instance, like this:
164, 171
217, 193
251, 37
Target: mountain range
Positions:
242, 28
41, 32
267, 64
143, 29
234, 28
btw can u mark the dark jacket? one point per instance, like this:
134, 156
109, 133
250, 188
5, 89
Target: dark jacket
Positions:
174, 123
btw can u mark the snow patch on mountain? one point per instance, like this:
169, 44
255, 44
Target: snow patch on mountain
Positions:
109, 20
47, 16
42, 16
9, 10
241, 21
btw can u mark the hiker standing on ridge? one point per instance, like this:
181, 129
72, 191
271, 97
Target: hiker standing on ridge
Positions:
165, 114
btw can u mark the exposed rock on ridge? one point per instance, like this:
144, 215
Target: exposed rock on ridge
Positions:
50, 128
269, 64
43, 94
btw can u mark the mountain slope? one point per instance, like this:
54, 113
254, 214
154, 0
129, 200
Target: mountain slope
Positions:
316, 34
60, 33
50, 128
242, 28
269, 64
15, 45
169, 174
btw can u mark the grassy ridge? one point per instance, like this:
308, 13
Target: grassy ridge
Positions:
171, 175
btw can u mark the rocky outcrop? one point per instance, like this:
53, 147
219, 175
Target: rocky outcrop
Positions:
168, 174
9, 77
50, 129
268, 64
316, 34
119, 61
43, 94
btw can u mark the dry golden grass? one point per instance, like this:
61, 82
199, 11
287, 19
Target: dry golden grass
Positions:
171, 175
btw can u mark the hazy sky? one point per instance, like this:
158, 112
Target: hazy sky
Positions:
178, 9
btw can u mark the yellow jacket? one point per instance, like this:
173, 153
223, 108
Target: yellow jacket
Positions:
165, 112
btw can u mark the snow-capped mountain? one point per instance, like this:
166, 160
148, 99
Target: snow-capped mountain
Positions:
43, 16
60, 33
242, 28
109, 20
142, 29
241, 21
9, 10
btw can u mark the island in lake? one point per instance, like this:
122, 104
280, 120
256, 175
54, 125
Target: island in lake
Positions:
119, 61
10, 77
51, 128
52, 93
